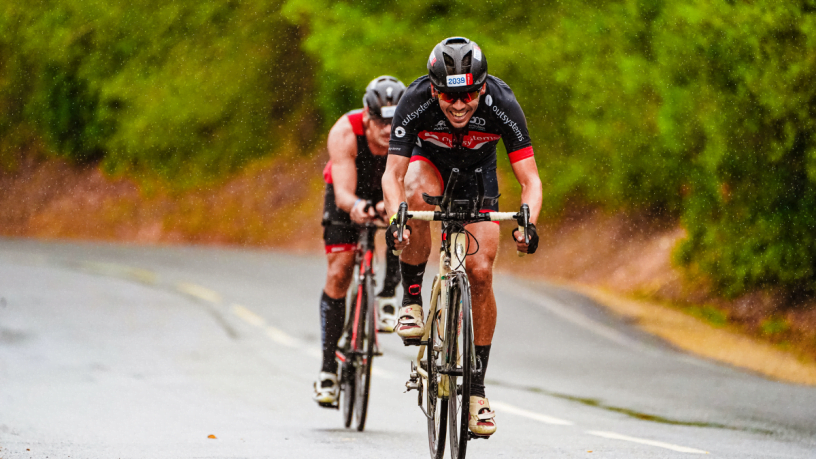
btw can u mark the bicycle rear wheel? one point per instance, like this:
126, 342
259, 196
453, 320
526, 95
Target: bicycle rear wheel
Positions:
366, 334
436, 405
460, 351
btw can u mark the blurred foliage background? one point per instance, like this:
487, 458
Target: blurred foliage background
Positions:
697, 111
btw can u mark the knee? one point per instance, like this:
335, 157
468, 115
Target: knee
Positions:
413, 194
416, 183
481, 275
339, 277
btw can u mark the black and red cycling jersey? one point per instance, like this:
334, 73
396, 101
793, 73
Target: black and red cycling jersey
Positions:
340, 234
370, 167
419, 121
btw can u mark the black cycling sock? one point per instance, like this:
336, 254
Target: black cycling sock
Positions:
477, 383
332, 313
412, 283
392, 275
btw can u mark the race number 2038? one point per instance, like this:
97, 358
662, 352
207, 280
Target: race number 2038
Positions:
460, 80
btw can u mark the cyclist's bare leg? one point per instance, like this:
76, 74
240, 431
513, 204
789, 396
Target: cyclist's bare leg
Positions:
420, 178
338, 277
480, 273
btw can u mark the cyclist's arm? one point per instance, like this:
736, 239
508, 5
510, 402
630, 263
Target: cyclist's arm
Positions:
526, 173
342, 147
393, 182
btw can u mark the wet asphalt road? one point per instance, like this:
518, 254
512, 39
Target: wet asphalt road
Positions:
114, 351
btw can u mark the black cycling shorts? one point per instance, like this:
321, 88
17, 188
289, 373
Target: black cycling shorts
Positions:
466, 185
339, 233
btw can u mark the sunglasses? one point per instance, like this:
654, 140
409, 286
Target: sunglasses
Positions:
452, 97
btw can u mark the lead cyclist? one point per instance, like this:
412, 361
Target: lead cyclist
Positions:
453, 118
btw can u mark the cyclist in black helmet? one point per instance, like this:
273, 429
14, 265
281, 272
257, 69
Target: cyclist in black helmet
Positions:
453, 118
358, 145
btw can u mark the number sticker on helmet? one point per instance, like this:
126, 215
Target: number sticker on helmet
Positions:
460, 80
388, 112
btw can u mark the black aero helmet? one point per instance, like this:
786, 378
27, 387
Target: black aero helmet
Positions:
381, 96
457, 64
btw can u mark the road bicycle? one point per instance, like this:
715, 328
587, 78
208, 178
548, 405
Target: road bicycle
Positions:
359, 345
446, 361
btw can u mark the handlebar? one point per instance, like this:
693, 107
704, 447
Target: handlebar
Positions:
522, 217
437, 216
462, 211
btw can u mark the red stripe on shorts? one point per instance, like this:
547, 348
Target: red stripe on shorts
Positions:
337, 248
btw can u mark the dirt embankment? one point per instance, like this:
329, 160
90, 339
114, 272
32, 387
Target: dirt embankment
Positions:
278, 203
271, 203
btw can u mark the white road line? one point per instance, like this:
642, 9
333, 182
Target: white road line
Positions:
122, 271
643, 441
281, 337
248, 316
505, 408
199, 292
524, 293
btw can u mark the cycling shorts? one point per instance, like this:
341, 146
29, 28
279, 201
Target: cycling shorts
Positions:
466, 185
339, 233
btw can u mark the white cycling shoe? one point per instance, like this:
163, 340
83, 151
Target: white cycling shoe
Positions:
410, 325
326, 389
482, 419
387, 314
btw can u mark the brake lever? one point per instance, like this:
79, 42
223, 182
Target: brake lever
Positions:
523, 220
402, 220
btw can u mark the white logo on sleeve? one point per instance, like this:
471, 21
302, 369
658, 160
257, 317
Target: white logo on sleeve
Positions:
489, 100
399, 132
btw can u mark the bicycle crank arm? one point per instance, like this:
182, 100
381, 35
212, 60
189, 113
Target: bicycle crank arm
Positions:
454, 372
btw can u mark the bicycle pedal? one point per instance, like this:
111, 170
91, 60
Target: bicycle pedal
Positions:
412, 341
334, 406
473, 436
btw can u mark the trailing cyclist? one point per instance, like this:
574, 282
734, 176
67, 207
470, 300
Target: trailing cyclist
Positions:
453, 118
358, 147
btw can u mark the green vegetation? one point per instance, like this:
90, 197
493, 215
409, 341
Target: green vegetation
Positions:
774, 326
710, 314
696, 110
181, 91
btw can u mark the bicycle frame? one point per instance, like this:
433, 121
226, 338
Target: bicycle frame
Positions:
450, 261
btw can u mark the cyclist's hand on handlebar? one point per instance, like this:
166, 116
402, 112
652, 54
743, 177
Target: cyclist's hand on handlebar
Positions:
518, 236
380, 207
391, 237
362, 212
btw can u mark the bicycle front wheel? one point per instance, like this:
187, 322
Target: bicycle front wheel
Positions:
435, 387
366, 333
460, 355
348, 367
